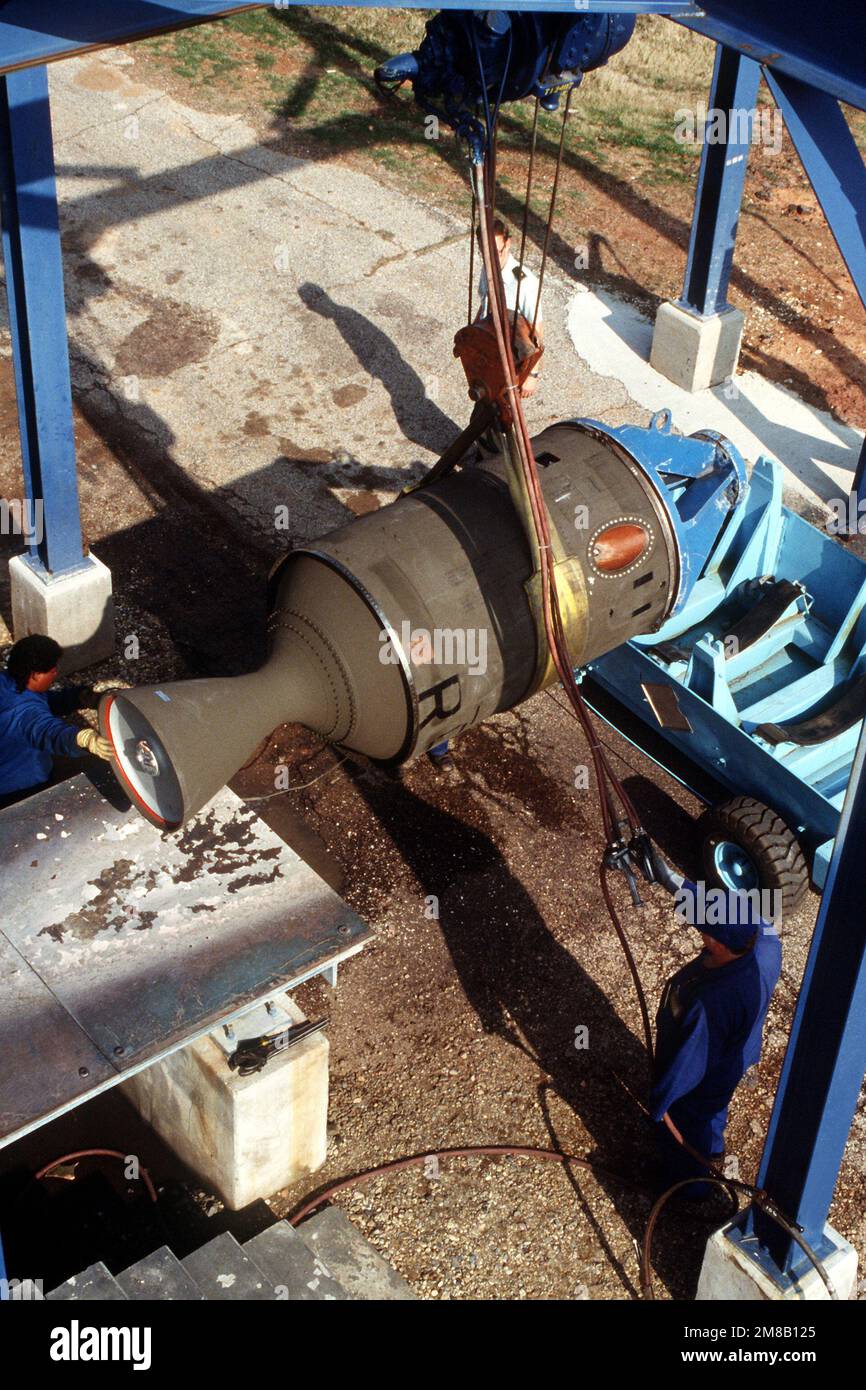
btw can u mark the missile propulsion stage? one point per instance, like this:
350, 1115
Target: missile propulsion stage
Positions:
415, 622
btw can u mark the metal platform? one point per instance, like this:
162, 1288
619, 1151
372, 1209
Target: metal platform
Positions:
119, 944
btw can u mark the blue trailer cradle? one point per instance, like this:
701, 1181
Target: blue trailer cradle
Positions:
753, 694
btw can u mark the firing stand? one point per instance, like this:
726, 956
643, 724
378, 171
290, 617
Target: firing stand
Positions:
124, 954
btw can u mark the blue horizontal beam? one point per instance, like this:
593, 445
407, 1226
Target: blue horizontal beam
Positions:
819, 44
41, 31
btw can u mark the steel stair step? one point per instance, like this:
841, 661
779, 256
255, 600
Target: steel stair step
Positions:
292, 1266
351, 1258
92, 1285
160, 1275
225, 1273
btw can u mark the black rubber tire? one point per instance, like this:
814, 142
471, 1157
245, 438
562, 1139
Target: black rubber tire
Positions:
769, 841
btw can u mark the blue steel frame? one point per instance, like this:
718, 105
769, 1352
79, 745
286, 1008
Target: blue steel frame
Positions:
37, 318
807, 52
823, 140
720, 187
811, 59
822, 1074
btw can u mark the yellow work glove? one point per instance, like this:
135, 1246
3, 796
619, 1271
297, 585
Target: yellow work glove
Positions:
92, 742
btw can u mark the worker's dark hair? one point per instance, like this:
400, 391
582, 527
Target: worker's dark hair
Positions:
500, 228
34, 653
744, 950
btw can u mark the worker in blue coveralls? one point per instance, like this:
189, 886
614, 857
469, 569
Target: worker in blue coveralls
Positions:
708, 1028
32, 731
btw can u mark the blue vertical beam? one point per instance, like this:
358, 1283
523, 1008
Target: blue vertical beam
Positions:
722, 175
834, 166
824, 1065
37, 318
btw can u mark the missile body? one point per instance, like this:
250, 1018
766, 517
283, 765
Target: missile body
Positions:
414, 622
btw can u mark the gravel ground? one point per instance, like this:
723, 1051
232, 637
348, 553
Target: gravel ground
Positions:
476, 1011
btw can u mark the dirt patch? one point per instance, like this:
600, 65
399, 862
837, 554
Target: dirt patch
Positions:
256, 425
294, 453
174, 335
98, 77
500, 761
344, 396
360, 503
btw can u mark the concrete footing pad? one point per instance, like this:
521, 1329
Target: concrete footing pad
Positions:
728, 1272
75, 609
696, 352
244, 1136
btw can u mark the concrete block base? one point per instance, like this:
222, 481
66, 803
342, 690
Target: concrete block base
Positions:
245, 1136
696, 352
75, 609
729, 1273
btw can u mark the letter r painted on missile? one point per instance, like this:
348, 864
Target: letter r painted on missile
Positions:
436, 693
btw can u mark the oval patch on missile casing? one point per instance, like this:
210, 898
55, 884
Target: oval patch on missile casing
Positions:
619, 546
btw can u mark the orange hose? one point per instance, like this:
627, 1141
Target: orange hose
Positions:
96, 1153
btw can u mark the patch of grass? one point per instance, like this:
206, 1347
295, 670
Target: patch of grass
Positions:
311, 71
386, 155
633, 100
201, 56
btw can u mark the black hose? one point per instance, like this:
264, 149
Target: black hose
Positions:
761, 1199
396, 1165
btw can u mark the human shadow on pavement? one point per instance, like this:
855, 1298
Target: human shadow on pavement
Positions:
420, 419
